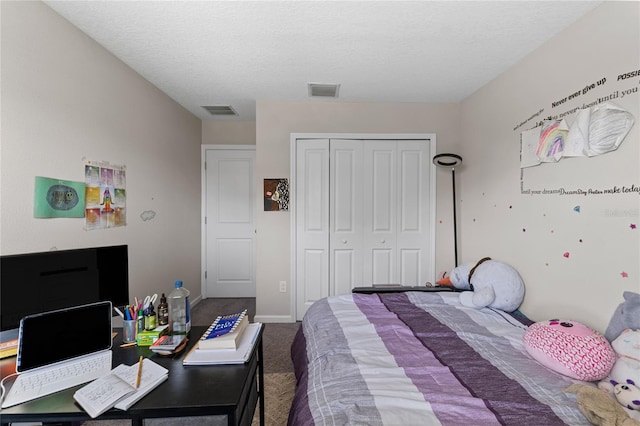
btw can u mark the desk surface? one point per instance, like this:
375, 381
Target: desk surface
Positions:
189, 390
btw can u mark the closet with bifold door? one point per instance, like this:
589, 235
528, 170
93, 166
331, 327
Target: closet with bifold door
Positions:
363, 214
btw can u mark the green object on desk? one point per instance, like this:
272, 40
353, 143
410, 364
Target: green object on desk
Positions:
148, 337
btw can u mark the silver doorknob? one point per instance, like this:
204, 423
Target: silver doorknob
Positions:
382, 241
344, 241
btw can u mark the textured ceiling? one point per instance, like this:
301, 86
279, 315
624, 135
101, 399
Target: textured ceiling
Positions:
236, 52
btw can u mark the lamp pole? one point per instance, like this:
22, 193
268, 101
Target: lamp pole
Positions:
451, 160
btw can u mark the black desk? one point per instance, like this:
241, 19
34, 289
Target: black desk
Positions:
231, 390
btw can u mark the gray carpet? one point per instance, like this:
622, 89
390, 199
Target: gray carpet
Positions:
279, 380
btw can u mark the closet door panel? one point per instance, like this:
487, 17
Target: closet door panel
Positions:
315, 287
345, 217
413, 235
411, 268
344, 271
379, 216
382, 271
381, 175
312, 221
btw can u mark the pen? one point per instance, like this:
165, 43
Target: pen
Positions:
118, 311
139, 372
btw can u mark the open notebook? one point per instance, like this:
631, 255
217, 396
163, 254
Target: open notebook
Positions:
61, 349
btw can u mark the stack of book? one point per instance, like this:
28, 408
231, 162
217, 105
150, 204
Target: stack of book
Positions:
229, 340
225, 332
168, 345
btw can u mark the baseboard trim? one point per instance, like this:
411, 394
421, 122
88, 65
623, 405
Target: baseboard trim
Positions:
273, 318
193, 302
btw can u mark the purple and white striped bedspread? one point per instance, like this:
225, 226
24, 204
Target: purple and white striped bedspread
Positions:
420, 359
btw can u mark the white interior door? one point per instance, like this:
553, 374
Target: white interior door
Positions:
230, 222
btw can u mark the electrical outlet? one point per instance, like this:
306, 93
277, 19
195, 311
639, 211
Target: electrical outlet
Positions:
283, 286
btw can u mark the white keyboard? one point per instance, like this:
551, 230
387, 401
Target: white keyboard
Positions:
50, 379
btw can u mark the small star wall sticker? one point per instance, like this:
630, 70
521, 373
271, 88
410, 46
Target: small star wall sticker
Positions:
624, 274
632, 226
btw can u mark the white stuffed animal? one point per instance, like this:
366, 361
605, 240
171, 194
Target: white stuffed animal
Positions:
627, 394
627, 366
494, 284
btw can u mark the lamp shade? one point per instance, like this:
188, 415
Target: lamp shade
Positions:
447, 160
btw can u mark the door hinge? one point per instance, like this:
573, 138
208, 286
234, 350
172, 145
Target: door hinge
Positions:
205, 220
205, 275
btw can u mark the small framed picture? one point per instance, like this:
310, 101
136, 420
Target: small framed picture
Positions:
276, 195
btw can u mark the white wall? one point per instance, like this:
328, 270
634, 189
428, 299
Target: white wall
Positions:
533, 232
65, 98
274, 124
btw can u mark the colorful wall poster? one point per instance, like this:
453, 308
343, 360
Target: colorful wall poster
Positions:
58, 198
105, 194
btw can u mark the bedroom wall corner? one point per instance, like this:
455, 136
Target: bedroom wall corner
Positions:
569, 228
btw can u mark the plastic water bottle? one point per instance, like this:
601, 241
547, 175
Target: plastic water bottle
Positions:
179, 309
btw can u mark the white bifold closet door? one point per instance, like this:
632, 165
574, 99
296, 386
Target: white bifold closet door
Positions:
362, 215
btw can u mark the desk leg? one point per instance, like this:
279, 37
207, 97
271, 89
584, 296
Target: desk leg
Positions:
261, 382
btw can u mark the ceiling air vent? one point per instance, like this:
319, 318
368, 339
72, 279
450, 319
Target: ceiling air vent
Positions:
323, 90
220, 110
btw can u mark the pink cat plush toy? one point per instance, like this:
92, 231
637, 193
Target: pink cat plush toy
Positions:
570, 348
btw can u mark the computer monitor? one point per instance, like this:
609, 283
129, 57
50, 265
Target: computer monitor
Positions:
38, 282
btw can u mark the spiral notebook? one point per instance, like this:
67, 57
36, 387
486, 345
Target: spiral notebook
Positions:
225, 332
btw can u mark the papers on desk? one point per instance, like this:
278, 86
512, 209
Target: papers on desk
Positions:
241, 355
118, 389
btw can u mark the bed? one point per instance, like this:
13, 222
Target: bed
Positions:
419, 358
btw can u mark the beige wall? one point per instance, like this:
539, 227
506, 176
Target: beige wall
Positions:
274, 124
65, 98
222, 132
533, 232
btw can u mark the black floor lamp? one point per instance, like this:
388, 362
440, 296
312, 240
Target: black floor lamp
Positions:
452, 161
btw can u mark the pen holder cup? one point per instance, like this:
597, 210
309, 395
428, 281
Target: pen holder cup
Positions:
129, 330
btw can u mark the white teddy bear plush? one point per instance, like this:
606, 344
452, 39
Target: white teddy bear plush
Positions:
627, 366
494, 284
